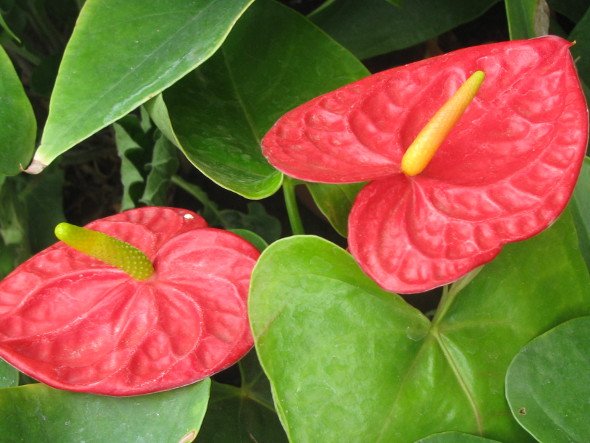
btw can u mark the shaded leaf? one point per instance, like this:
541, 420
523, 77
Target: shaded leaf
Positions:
162, 167
256, 220
147, 165
335, 202
273, 60
19, 127
133, 158
581, 50
580, 207
7, 29
39, 413
548, 384
572, 9
210, 211
146, 46
256, 240
42, 197
245, 413
374, 27
321, 326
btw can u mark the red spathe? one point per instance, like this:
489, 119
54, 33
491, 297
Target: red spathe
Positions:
505, 172
74, 323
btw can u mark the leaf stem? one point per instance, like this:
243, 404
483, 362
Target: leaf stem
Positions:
291, 203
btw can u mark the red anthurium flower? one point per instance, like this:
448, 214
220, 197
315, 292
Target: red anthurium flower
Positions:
505, 168
175, 315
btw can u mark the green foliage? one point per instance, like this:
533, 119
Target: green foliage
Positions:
220, 112
8, 375
527, 18
121, 54
454, 437
311, 307
19, 128
374, 27
580, 205
245, 413
37, 412
548, 384
346, 360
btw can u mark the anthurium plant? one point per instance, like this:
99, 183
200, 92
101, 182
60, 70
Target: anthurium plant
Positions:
239, 220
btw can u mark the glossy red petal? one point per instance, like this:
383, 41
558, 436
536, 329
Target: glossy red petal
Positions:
411, 235
531, 100
77, 324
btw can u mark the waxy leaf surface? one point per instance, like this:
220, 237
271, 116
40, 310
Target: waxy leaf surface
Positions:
454, 437
75, 323
548, 384
19, 128
8, 375
273, 60
348, 361
37, 412
123, 53
504, 173
372, 27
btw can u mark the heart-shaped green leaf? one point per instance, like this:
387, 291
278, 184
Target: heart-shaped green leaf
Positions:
374, 27
39, 413
8, 375
273, 60
348, 361
19, 128
245, 413
548, 384
121, 54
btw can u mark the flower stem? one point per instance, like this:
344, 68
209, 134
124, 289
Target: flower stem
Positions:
291, 203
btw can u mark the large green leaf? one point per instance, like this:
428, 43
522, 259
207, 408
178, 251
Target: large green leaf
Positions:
245, 413
122, 53
548, 384
273, 60
19, 128
39, 413
527, 18
581, 50
373, 27
335, 202
454, 437
348, 361
8, 375
580, 207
